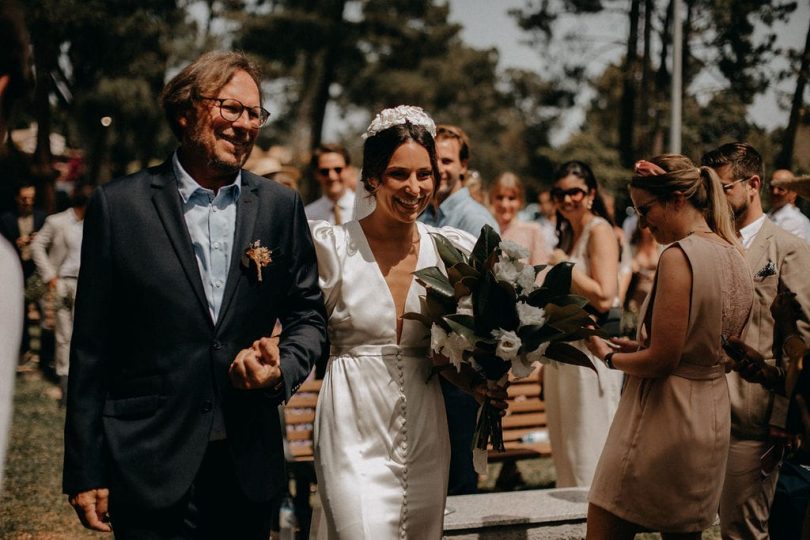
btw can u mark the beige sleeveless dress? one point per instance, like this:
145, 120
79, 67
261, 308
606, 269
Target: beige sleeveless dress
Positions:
580, 404
665, 456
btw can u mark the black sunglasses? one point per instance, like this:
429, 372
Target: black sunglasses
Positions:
575, 194
326, 170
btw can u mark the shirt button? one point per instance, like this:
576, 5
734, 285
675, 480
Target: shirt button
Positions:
217, 346
206, 406
216, 245
218, 284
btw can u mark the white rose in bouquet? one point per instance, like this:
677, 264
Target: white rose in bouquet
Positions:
513, 250
438, 338
530, 315
506, 271
454, 349
508, 344
465, 305
539, 355
526, 278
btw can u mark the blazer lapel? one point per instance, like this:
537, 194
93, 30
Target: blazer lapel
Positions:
756, 253
246, 212
166, 199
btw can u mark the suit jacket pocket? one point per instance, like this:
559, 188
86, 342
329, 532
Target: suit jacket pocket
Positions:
133, 407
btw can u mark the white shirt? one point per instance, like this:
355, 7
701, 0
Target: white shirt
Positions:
792, 220
750, 231
323, 208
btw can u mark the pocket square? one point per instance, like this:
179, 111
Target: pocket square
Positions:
767, 270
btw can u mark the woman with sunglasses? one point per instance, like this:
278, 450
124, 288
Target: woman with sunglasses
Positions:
663, 464
507, 197
580, 403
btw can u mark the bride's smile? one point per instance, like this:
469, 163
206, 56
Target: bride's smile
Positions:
407, 183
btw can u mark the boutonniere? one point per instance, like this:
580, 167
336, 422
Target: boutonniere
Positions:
260, 255
767, 270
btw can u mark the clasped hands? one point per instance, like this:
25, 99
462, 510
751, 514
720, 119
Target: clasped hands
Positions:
258, 366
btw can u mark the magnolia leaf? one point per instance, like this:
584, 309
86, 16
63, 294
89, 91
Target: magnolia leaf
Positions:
568, 354
449, 253
585, 333
568, 318
494, 306
493, 367
434, 308
532, 335
435, 370
466, 270
540, 297
421, 317
558, 279
487, 242
571, 299
458, 324
460, 290
539, 268
470, 282
432, 278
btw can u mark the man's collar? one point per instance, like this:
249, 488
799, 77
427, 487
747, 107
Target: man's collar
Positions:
750, 231
187, 186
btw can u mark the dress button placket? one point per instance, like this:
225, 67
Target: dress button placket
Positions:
403, 525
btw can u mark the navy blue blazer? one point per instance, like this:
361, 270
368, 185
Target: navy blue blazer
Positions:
148, 366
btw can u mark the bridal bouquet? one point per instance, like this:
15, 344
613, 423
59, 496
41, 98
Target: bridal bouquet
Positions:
489, 312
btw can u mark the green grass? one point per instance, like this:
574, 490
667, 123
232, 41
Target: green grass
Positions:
32, 504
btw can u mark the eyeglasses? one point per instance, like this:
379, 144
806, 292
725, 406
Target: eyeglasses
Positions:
575, 194
326, 170
231, 110
644, 209
728, 187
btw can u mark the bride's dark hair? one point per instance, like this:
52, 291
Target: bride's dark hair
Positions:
379, 148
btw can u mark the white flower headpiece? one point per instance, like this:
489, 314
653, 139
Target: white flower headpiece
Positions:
399, 115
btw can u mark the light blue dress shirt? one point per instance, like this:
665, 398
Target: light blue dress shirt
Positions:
461, 211
211, 222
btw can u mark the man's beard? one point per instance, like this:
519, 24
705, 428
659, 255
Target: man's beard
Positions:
741, 210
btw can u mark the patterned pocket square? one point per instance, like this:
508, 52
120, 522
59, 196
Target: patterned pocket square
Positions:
767, 270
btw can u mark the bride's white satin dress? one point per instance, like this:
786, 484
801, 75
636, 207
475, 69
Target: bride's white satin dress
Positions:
382, 450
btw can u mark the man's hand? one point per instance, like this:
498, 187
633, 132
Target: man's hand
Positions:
751, 366
786, 310
257, 367
91, 507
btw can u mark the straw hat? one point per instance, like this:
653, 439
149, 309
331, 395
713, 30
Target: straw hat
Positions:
799, 184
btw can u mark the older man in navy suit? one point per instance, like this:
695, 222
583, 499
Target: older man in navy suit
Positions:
171, 431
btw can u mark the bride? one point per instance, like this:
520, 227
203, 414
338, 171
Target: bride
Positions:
381, 445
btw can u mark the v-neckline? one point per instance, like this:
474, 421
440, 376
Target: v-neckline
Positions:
378, 272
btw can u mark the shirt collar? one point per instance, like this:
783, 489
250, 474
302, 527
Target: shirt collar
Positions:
187, 186
748, 232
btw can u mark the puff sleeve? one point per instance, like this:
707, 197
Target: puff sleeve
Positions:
329, 245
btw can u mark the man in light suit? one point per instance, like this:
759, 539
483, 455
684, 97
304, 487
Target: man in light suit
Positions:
777, 259
171, 430
56, 251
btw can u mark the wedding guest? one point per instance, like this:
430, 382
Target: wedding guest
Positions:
329, 162
663, 463
382, 449
507, 197
20, 227
783, 206
644, 264
475, 185
15, 74
453, 206
580, 403
172, 427
56, 251
776, 259
547, 218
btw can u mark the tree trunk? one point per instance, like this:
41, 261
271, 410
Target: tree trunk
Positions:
785, 158
628, 102
45, 55
642, 143
662, 82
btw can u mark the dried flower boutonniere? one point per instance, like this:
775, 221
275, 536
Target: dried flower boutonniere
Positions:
767, 270
260, 255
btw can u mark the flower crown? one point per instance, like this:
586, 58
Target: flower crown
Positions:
400, 115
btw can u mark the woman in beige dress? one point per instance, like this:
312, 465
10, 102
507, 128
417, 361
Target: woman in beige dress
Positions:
663, 464
506, 198
580, 403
